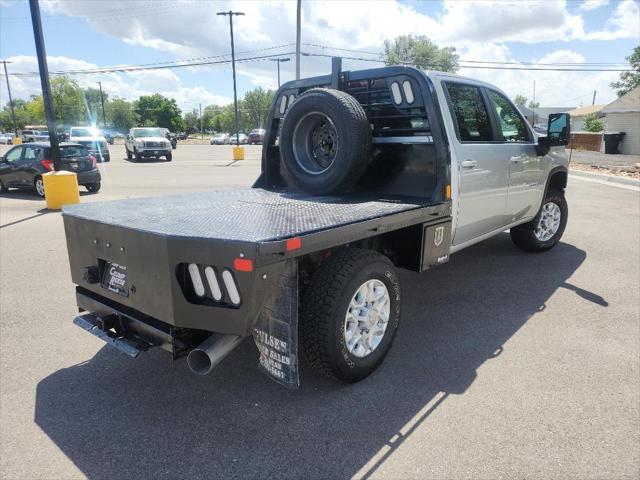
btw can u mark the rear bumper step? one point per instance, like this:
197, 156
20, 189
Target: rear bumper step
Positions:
131, 346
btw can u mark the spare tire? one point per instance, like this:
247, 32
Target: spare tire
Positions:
325, 141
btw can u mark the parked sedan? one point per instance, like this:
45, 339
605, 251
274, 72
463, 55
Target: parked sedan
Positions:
6, 139
23, 166
220, 139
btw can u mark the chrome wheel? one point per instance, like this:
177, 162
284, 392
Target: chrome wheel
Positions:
315, 143
367, 318
39, 184
549, 222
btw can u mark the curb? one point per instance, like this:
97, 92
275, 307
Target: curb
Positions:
606, 178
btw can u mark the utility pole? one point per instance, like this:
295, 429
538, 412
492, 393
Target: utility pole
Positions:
298, 37
13, 112
46, 85
279, 60
593, 102
233, 67
104, 118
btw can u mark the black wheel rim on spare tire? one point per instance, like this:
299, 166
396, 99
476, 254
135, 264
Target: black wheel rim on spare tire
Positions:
315, 143
325, 142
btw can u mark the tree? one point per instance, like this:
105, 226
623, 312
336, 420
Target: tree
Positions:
256, 104
92, 96
520, 100
421, 52
159, 111
68, 101
121, 114
192, 122
533, 105
629, 80
592, 124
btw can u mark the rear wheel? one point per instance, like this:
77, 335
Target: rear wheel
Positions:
325, 142
544, 231
93, 187
38, 185
3, 189
350, 313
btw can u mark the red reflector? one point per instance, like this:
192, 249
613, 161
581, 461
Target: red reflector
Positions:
243, 265
48, 164
294, 243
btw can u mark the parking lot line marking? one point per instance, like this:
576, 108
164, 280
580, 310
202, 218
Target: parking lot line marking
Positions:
605, 182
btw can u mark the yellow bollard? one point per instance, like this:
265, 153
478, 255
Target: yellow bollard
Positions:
238, 153
60, 188
17, 141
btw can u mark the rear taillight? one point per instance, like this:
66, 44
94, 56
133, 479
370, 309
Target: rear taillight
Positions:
48, 164
93, 161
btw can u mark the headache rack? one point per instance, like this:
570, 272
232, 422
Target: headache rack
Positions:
410, 155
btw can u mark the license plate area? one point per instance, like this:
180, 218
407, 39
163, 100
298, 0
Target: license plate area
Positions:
115, 279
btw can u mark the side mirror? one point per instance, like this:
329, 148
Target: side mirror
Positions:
559, 129
558, 133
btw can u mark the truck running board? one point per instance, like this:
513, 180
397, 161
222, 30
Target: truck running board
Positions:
95, 325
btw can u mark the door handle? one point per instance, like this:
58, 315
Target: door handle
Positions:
469, 164
516, 159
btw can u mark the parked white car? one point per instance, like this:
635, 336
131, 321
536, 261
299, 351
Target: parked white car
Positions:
6, 139
220, 139
93, 139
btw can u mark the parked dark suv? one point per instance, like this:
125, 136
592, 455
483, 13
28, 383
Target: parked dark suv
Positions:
23, 166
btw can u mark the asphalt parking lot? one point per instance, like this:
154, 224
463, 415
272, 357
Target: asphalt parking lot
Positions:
506, 364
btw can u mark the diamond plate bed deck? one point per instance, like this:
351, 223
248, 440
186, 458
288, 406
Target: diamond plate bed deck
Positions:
252, 215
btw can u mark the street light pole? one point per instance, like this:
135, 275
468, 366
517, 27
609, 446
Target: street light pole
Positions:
46, 85
279, 60
13, 112
104, 118
233, 67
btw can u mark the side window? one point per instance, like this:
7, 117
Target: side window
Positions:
32, 153
470, 113
510, 121
14, 154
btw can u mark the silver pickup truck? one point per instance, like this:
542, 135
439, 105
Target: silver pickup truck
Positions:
363, 172
145, 142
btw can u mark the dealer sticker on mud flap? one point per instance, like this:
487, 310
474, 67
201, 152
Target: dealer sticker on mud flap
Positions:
276, 330
114, 279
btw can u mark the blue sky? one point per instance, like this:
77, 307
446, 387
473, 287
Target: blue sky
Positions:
85, 34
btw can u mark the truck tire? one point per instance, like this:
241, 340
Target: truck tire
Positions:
137, 155
544, 231
129, 156
349, 314
325, 142
168, 157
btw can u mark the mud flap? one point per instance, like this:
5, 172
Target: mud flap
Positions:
276, 330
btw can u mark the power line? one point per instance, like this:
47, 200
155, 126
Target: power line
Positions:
489, 67
513, 62
133, 68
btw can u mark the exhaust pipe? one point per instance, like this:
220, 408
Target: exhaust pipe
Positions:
211, 352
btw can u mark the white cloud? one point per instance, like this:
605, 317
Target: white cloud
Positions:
624, 23
124, 85
593, 4
553, 89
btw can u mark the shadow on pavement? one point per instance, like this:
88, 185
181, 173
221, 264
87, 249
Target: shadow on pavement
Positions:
118, 418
